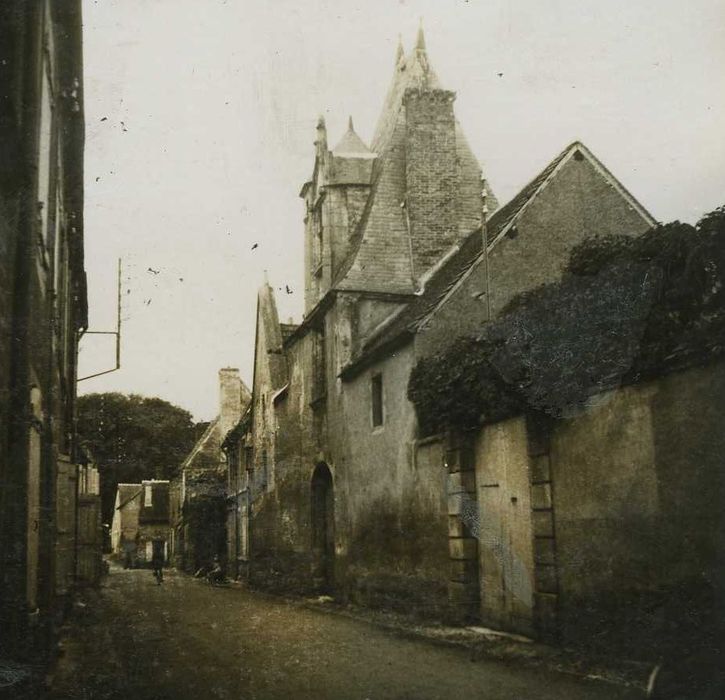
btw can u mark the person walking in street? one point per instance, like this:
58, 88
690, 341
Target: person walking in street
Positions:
157, 561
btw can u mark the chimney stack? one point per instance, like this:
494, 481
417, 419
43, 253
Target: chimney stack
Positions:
230, 399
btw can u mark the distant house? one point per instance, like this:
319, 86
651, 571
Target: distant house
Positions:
199, 492
141, 521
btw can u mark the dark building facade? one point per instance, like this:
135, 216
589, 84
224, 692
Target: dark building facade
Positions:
199, 494
43, 308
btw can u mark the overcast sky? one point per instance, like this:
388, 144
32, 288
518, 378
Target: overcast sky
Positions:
200, 122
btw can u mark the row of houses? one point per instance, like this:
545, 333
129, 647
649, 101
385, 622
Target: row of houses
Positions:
327, 477
50, 527
140, 529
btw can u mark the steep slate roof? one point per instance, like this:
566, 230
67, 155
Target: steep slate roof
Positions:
379, 257
405, 323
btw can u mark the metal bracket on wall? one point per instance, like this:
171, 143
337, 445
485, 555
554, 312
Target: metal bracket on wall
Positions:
117, 333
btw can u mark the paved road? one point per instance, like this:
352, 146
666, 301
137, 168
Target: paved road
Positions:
138, 641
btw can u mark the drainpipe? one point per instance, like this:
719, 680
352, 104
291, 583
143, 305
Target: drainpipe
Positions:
76, 524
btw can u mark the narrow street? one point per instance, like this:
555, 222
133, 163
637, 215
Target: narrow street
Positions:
184, 639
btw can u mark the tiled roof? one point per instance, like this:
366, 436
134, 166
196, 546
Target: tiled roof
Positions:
379, 258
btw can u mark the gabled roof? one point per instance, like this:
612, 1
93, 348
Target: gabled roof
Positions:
404, 323
379, 254
207, 443
508, 213
268, 318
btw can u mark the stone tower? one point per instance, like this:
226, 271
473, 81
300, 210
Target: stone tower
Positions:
378, 219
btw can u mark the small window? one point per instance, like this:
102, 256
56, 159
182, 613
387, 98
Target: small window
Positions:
377, 399
263, 477
148, 496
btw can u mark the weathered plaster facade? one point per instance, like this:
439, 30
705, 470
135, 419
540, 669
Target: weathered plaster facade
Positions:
341, 494
141, 518
587, 525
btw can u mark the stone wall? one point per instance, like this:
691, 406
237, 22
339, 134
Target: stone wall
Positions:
390, 541
638, 487
605, 527
393, 542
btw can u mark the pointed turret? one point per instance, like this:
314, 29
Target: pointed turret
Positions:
420, 39
400, 52
321, 140
412, 71
351, 145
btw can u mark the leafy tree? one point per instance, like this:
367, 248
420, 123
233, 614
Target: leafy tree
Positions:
132, 438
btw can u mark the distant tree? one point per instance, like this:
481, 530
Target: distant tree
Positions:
132, 438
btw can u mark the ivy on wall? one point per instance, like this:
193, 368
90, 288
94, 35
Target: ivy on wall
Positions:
626, 309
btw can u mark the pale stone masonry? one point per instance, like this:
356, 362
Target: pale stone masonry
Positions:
335, 489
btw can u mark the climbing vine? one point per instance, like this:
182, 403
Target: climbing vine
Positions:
627, 309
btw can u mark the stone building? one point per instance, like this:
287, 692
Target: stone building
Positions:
79, 542
42, 312
141, 522
584, 466
345, 494
199, 492
89, 529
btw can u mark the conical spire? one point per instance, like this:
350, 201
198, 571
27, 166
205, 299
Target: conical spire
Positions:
413, 70
400, 52
420, 40
351, 145
321, 140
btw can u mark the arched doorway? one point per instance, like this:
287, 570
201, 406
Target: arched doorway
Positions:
323, 528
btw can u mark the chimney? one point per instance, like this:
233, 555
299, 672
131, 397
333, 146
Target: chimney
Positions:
230, 399
432, 174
